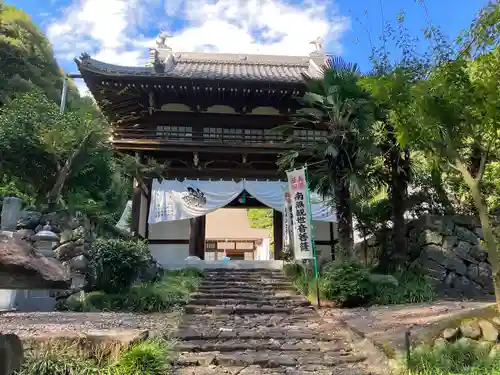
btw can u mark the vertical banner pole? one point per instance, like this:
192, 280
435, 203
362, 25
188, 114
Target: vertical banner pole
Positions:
313, 242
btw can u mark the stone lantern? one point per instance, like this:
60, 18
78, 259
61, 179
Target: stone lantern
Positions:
44, 241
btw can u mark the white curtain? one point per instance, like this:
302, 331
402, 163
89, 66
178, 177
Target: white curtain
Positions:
269, 193
175, 200
178, 200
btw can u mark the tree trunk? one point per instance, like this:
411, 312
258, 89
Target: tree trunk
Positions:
344, 218
397, 192
65, 171
489, 236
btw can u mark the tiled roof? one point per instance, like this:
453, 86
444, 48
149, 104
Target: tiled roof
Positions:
216, 66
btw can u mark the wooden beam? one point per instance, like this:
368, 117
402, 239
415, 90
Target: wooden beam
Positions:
222, 173
168, 242
206, 119
278, 234
190, 146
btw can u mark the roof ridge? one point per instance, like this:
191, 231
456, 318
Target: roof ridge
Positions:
232, 62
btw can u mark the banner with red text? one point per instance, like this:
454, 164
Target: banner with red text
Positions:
301, 223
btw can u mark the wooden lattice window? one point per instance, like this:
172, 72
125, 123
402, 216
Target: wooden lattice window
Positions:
174, 132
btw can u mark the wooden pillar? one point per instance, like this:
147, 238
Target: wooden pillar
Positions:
332, 241
278, 234
136, 201
201, 237
136, 209
197, 237
149, 185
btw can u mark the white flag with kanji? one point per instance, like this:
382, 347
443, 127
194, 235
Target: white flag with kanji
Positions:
301, 213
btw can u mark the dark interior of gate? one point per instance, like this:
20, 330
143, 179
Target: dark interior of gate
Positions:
210, 116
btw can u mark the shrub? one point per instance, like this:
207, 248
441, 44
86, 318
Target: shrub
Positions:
412, 288
458, 358
293, 270
173, 289
56, 363
347, 283
146, 358
115, 264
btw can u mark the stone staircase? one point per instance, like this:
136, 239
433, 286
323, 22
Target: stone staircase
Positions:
254, 322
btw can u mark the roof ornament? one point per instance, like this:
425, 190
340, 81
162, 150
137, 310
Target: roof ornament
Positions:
161, 40
318, 45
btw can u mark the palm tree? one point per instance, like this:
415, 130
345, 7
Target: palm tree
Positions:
337, 105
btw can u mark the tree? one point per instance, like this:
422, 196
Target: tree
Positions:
453, 116
337, 104
389, 93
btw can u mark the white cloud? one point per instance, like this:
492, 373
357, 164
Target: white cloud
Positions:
120, 31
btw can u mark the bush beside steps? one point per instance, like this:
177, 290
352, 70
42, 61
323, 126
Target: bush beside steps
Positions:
350, 284
150, 357
170, 291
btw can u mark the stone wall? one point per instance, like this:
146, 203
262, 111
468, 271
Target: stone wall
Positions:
449, 250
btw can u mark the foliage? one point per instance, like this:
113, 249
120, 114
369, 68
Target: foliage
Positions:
337, 104
116, 263
148, 358
347, 283
51, 362
411, 288
171, 290
458, 358
350, 284
261, 218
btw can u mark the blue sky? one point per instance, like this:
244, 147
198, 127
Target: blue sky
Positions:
121, 31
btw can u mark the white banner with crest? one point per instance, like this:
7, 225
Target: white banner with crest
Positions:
302, 231
179, 200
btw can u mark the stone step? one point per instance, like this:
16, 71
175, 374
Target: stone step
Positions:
284, 345
266, 359
276, 302
269, 335
235, 271
249, 296
248, 277
233, 284
243, 309
256, 290
345, 369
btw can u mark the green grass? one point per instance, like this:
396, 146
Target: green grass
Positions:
150, 357
412, 288
459, 358
170, 291
146, 358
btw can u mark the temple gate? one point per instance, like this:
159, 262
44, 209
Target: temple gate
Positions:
209, 115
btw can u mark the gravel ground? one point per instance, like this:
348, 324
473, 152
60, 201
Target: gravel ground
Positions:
37, 324
386, 325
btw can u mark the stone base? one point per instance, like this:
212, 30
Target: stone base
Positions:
229, 264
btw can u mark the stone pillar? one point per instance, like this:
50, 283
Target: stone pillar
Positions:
278, 234
11, 213
197, 237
